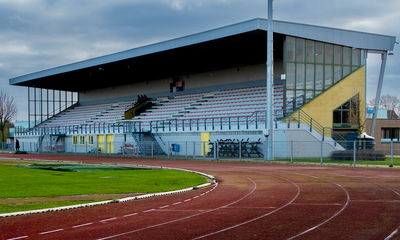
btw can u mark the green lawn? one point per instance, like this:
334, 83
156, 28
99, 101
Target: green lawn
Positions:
18, 182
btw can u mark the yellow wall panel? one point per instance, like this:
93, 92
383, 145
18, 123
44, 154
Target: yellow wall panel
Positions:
321, 108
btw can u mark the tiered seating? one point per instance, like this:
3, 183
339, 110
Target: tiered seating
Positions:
88, 114
238, 102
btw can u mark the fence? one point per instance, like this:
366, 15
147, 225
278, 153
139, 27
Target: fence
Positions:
6, 147
346, 152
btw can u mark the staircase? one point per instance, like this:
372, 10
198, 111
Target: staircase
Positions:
147, 143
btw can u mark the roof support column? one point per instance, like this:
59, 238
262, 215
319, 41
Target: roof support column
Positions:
269, 125
378, 92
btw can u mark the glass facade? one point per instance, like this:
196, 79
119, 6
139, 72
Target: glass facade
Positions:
312, 67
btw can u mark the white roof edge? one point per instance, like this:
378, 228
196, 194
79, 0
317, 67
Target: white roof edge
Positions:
325, 34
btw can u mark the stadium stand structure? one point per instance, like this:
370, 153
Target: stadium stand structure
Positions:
217, 93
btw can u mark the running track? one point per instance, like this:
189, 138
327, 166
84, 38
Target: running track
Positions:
250, 201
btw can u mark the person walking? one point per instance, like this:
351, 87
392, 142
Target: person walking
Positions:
17, 145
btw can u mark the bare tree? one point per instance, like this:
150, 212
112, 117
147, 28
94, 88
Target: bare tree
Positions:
390, 103
8, 111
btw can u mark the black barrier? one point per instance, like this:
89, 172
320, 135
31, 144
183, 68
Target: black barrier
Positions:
236, 148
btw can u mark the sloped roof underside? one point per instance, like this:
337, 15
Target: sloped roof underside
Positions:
233, 45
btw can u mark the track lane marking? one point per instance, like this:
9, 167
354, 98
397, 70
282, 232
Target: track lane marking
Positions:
82, 225
187, 217
149, 210
164, 206
329, 219
176, 203
17, 238
187, 200
52, 231
108, 219
392, 234
257, 218
129, 215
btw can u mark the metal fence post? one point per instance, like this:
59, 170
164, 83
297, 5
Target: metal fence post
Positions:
354, 153
291, 151
186, 149
152, 149
240, 150
194, 150
215, 151
169, 149
321, 159
391, 152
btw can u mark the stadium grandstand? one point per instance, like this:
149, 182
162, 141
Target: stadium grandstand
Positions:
208, 89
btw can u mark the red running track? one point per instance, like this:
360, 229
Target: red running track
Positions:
251, 201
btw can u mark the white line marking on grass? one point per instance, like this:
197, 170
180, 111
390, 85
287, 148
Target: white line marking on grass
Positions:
164, 206
82, 225
129, 215
150, 210
52, 231
17, 238
327, 220
259, 217
108, 219
176, 203
392, 234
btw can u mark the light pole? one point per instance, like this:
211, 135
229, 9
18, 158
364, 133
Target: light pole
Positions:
269, 125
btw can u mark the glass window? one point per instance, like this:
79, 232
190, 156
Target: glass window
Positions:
328, 53
337, 73
319, 52
310, 76
300, 51
74, 140
328, 76
90, 140
346, 56
81, 140
300, 75
309, 95
310, 51
290, 75
300, 96
289, 48
346, 71
390, 133
356, 57
319, 77
289, 100
338, 54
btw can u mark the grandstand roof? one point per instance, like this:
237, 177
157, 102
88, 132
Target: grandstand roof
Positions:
234, 45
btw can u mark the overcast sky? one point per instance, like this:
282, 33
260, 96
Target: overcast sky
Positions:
40, 34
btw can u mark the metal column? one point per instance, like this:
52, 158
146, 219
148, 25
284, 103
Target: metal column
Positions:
378, 92
269, 84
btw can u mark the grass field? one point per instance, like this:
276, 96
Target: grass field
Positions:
25, 184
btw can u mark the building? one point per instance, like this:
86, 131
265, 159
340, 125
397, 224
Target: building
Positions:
387, 131
207, 87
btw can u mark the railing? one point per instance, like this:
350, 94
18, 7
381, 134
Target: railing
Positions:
255, 121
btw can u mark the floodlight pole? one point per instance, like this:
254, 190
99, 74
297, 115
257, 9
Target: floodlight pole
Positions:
378, 92
269, 125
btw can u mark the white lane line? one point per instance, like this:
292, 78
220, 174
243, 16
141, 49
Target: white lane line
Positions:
176, 203
17, 238
108, 219
129, 215
327, 220
164, 206
150, 210
187, 217
187, 200
392, 234
202, 194
259, 217
82, 225
52, 231
195, 197
396, 192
